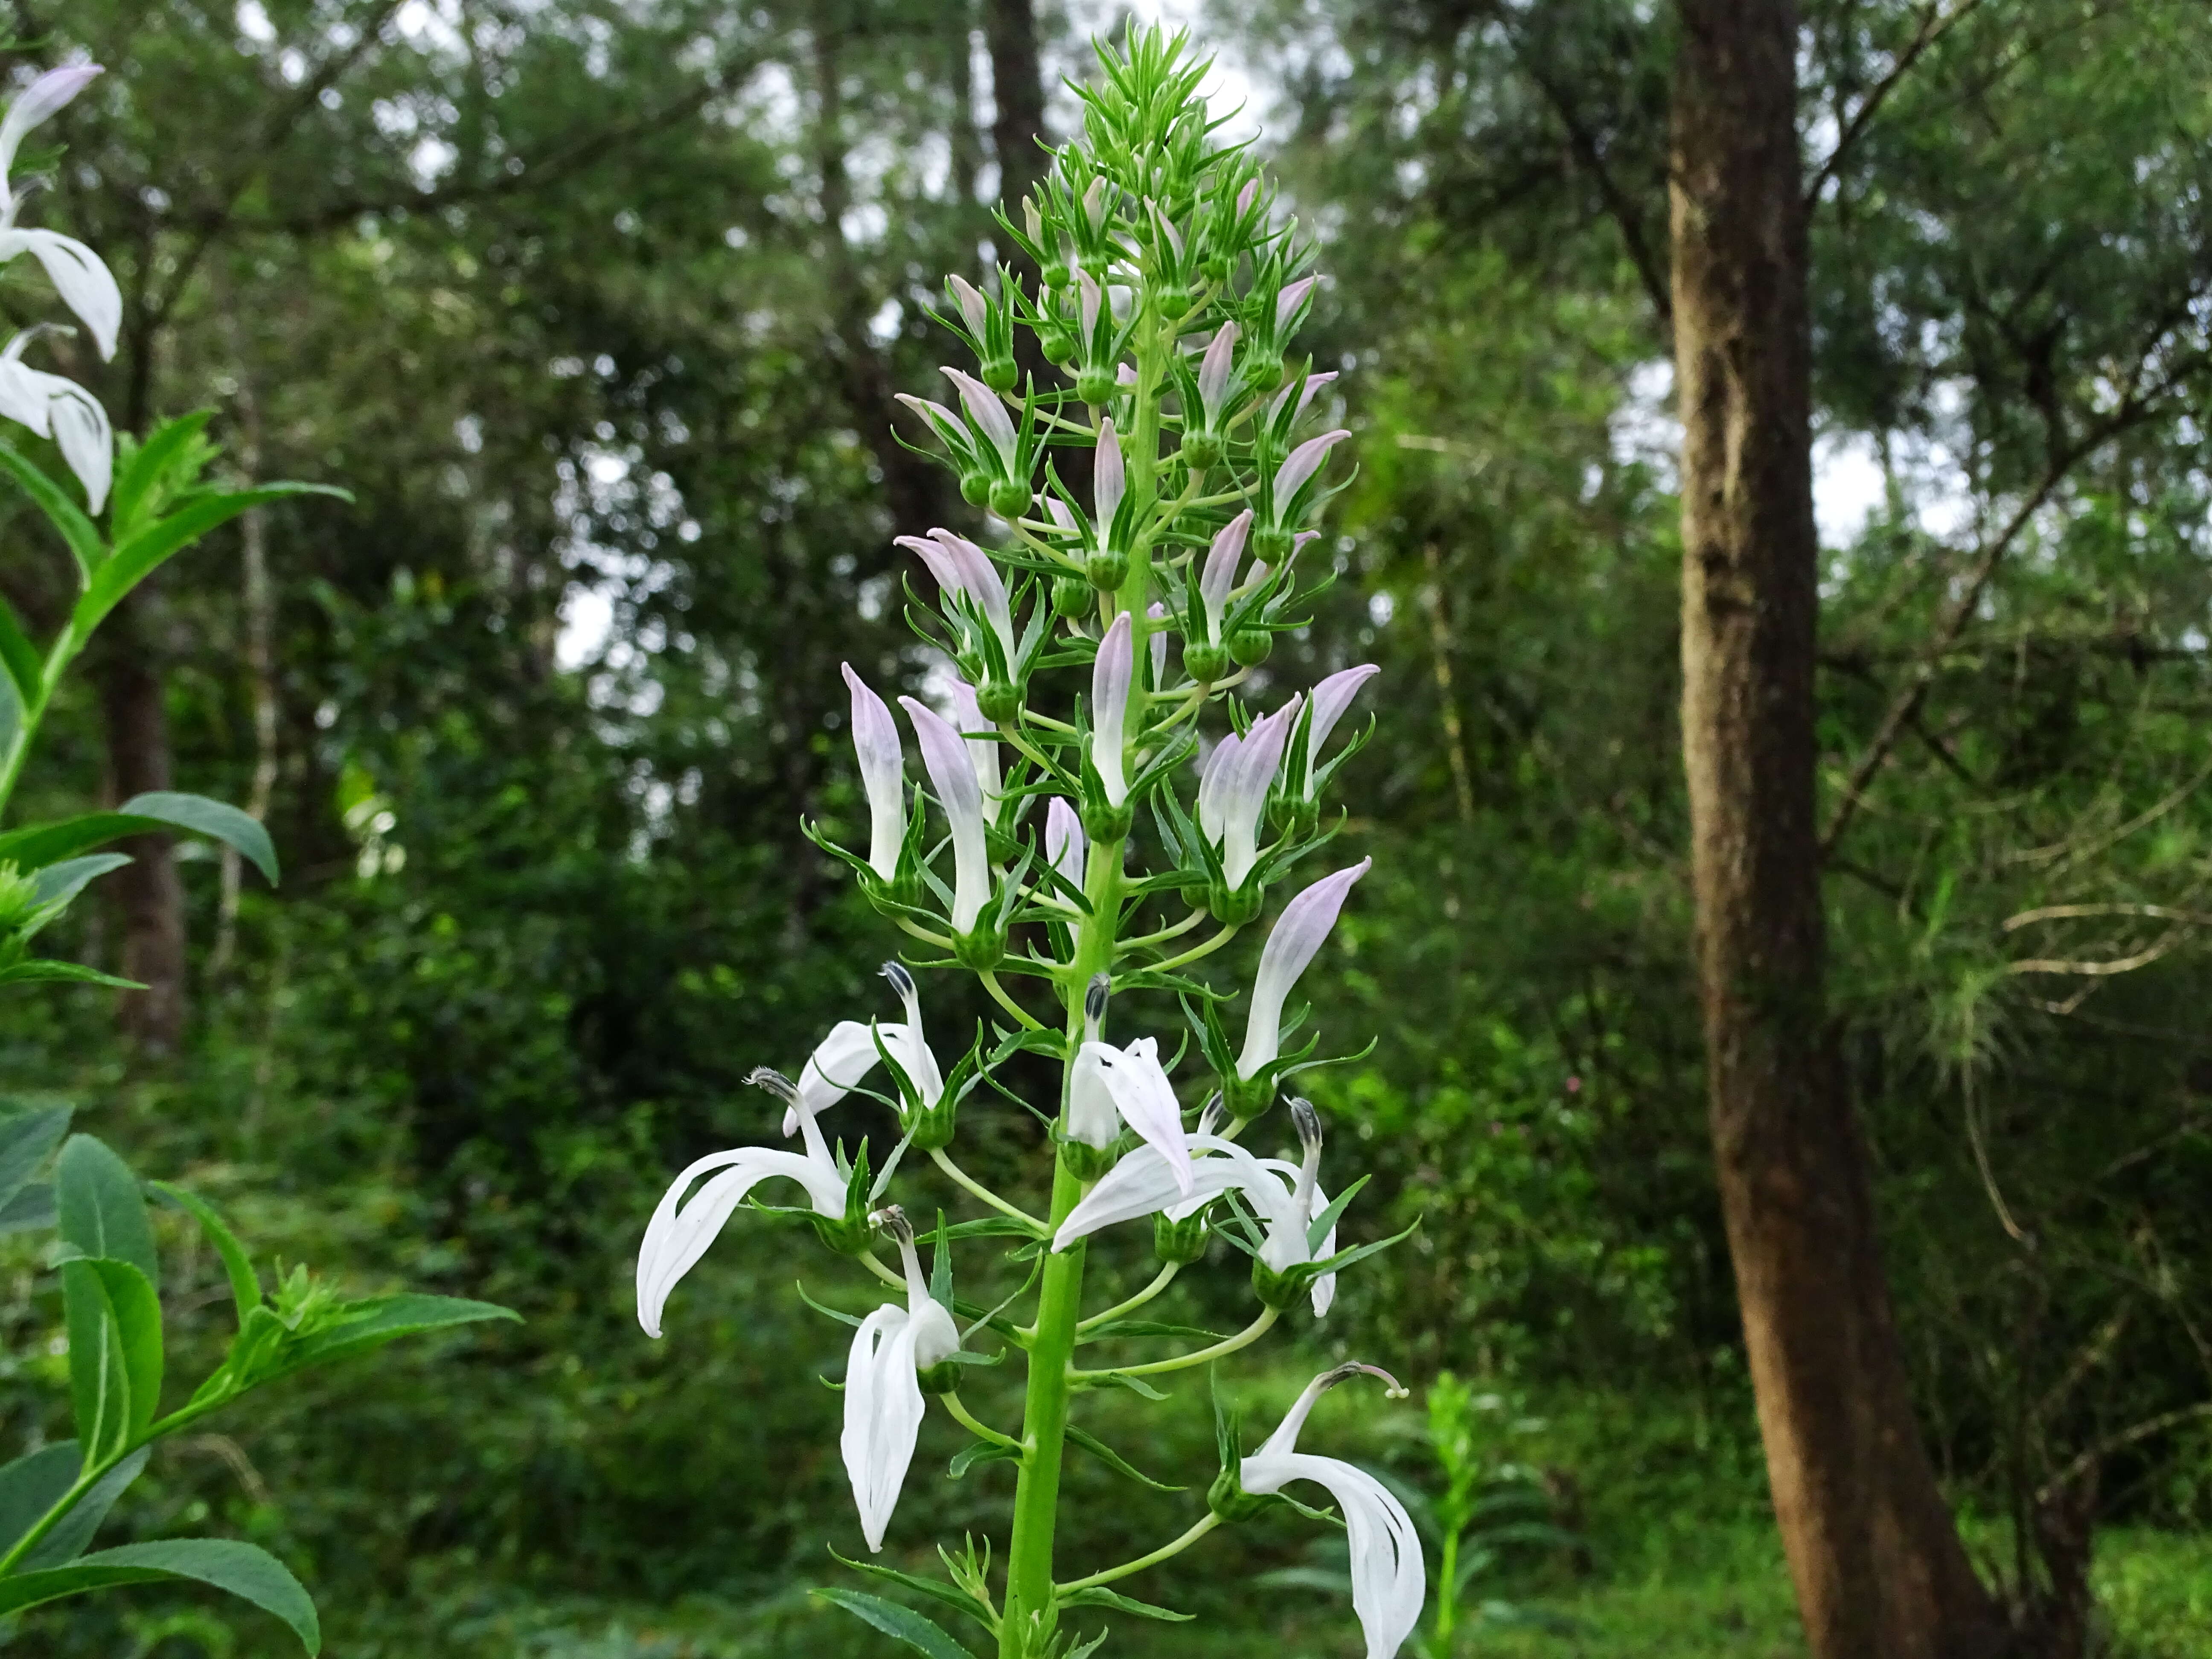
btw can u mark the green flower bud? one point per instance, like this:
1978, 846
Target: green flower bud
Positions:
1227, 1498
1000, 373
1108, 568
1281, 1290
1058, 344
1095, 387
1234, 909
976, 488
1204, 663
943, 1377
1174, 303
1251, 646
1084, 1162
1057, 275
1245, 1098
981, 950
1073, 596
1200, 449
1105, 823
1010, 497
1181, 1243
997, 701
1272, 544
1217, 267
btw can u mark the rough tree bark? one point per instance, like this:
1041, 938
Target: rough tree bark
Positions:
148, 893
1879, 1569
1017, 96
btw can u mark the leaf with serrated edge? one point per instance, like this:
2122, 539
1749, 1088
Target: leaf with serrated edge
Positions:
1097, 1595
245, 1570
902, 1624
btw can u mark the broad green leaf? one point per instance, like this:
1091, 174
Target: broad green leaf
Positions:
147, 550
72, 1534
245, 1570
19, 657
32, 1485
60, 883
32, 1208
82, 536
25, 1139
148, 467
103, 1212
951, 1595
37, 846
902, 1623
115, 1352
384, 1319
1099, 1596
1114, 1460
245, 1286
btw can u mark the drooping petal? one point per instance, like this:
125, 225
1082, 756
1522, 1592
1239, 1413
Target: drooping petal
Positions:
1213, 373
680, 1233
37, 103
974, 307
841, 1062
989, 414
80, 277
23, 394
1146, 1099
1112, 676
1298, 934
883, 775
1109, 479
1302, 463
1091, 1118
1145, 1183
952, 775
983, 751
883, 1416
1066, 847
1389, 1582
1219, 578
82, 432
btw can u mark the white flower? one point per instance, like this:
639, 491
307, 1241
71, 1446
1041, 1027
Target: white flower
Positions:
883, 1386
882, 775
1219, 578
680, 1233
1284, 1196
1232, 790
1330, 699
961, 567
841, 1062
61, 409
952, 775
1065, 845
1298, 934
1111, 677
1389, 1579
1128, 1084
84, 283
982, 739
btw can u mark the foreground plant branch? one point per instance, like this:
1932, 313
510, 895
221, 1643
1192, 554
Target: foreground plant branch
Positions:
1082, 847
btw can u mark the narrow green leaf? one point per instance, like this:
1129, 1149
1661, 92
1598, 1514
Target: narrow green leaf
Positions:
25, 1139
1099, 1596
1114, 1460
245, 1570
380, 1319
19, 657
245, 1286
32, 1208
34, 1484
65, 515
38, 846
1320, 1227
1130, 1328
148, 466
981, 1451
72, 1535
103, 1213
114, 1321
1135, 1385
846, 1319
40, 969
215, 819
152, 547
951, 1595
902, 1623
60, 883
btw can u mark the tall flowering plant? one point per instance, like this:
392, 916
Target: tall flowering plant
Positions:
1085, 853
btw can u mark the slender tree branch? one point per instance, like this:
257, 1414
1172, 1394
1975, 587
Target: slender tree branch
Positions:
1934, 24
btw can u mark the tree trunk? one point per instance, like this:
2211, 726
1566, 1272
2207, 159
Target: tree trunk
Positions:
1879, 1569
147, 892
1016, 97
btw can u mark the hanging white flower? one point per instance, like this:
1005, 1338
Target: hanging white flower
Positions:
892, 1348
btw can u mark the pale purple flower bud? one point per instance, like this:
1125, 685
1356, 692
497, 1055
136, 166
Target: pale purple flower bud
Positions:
1219, 578
989, 415
1111, 677
883, 775
973, 305
1298, 935
1312, 384
961, 567
952, 775
1302, 463
1288, 301
1064, 843
940, 419
1094, 202
1107, 476
1232, 793
1167, 228
1087, 302
1213, 373
1247, 196
1057, 510
982, 752
1330, 699
1157, 641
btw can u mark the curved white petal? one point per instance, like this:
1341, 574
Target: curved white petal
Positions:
1389, 1579
1298, 934
680, 1233
1066, 847
81, 433
982, 752
952, 775
82, 280
841, 1062
1330, 699
1111, 676
1145, 1183
1146, 1100
36, 103
1216, 581
1091, 1118
883, 775
883, 1416
989, 415
23, 396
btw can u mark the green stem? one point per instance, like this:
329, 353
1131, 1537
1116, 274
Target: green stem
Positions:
1028, 1020
1447, 1574
1159, 1283
1251, 1333
1163, 1553
1198, 950
976, 1190
27, 716
968, 1420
